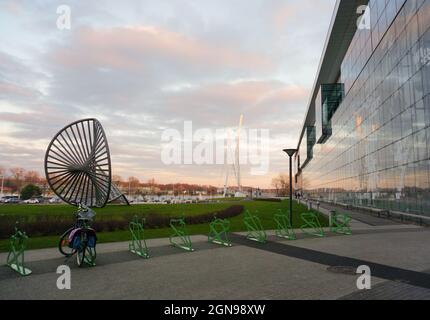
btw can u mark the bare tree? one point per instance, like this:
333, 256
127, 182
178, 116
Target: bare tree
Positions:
133, 184
17, 176
282, 184
152, 184
32, 177
276, 184
117, 179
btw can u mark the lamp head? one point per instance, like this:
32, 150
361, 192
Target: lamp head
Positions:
290, 152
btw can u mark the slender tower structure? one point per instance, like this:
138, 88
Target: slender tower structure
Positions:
233, 159
237, 169
226, 163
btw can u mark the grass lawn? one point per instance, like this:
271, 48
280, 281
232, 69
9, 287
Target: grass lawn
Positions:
114, 210
266, 210
229, 199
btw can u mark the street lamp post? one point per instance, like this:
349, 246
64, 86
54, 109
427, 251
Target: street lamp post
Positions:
290, 153
2, 183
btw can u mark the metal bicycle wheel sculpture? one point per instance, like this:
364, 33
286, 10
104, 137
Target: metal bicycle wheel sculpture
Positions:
117, 195
78, 164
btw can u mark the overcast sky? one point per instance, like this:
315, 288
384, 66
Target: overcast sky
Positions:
142, 67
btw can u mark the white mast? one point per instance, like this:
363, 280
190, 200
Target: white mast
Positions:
226, 165
235, 161
237, 169
2, 183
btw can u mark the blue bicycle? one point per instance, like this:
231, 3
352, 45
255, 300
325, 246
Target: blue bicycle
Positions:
80, 239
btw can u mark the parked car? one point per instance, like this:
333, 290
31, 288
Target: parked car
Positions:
54, 200
31, 201
12, 199
43, 199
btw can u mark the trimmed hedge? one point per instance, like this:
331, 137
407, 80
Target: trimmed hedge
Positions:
44, 225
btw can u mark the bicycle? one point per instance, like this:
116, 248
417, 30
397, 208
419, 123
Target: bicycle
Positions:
80, 239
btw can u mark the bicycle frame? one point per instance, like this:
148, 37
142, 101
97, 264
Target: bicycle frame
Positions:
82, 224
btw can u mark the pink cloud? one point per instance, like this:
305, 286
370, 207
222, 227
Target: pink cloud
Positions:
250, 96
10, 89
15, 7
281, 15
129, 47
39, 118
291, 94
290, 14
246, 92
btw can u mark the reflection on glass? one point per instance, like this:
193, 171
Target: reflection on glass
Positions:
378, 151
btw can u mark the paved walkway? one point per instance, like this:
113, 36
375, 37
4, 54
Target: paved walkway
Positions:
359, 218
391, 290
280, 269
365, 218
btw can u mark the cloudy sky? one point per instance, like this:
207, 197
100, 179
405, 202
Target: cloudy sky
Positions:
144, 66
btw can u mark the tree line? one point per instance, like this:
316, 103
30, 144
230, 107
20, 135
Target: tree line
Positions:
14, 180
281, 184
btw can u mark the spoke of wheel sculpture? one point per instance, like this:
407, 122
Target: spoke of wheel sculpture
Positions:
78, 165
117, 195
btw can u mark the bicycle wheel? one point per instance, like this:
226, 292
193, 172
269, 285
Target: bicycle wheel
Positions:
63, 244
80, 256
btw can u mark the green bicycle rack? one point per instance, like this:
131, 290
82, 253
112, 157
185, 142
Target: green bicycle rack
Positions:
138, 242
254, 227
311, 221
15, 258
283, 226
180, 233
219, 230
90, 256
340, 224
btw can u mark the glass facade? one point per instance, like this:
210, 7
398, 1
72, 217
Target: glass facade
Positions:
306, 146
378, 154
326, 103
311, 140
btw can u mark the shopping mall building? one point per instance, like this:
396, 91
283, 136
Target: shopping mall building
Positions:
365, 140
